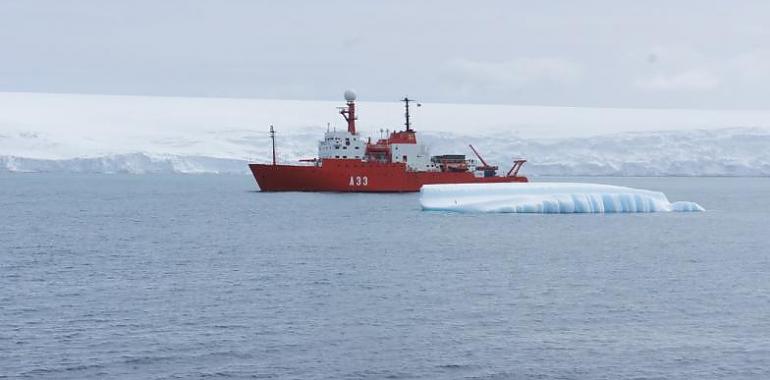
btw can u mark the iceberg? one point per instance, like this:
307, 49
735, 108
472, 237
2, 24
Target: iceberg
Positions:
548, 198
686, 206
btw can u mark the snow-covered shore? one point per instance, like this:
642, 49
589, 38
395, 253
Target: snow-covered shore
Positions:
110, 134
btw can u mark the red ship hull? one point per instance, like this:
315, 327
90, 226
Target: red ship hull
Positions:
340, 175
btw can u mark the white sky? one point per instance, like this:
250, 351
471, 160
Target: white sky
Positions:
680, 54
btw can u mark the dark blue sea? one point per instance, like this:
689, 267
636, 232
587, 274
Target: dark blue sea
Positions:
198, 276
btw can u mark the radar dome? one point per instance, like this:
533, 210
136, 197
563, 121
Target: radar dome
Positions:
350, 95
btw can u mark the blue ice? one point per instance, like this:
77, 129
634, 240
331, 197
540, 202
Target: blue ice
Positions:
547, 198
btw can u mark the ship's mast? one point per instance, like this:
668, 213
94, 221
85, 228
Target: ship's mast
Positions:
349, 113
272, 138
406, 101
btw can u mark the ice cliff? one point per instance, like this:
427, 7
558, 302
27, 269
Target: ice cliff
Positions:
136, 134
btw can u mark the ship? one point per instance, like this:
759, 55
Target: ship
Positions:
396, 162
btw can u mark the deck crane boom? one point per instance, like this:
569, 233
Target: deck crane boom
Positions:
489, 170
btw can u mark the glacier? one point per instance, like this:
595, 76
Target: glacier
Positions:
142, 134
547, 198
132, 163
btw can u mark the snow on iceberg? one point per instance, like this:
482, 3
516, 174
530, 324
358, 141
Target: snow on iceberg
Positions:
547, 197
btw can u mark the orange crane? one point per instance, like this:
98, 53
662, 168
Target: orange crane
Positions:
489, 170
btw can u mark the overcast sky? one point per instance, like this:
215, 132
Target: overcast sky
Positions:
694, 54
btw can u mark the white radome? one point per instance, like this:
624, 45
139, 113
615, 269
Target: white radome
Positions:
350, 95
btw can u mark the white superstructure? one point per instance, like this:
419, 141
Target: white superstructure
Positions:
342, 144
415, 156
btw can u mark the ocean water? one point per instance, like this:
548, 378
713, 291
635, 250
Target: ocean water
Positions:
121, 276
